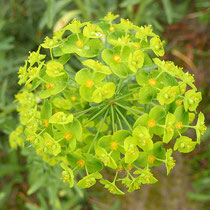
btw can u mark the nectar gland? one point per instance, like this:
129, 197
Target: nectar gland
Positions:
151, 159
67, 135
116, 58
151, 123
136, 45
152, 82
129, 167
179, 102
81, 163
79, 43
46, 123
89, 83
114, 145
48, 86
179, 125
111, 28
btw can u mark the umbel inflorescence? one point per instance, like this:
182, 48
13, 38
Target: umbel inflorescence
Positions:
120, 111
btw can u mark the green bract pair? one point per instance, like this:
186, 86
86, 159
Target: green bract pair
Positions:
124, 109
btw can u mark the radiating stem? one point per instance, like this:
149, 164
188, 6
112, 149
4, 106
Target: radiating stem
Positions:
119, 121
127, 123
132, 92
96, 115
133, 99
99, 128
129, 109
112, 113
87, 110
119, 86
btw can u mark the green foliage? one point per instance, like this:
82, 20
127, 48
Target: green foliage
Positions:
200, 172
122, 116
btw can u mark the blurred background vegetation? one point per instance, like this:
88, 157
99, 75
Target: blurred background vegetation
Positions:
29, 183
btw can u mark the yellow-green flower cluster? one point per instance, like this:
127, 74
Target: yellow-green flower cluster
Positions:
119, 110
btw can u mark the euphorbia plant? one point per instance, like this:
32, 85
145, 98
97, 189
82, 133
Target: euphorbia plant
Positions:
121, 110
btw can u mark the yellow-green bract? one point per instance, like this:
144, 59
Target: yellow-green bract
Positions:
119, 110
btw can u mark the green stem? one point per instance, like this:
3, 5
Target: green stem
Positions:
51, 55
122, 47
59, 139
129, 109
75, 168
119, 121
189, 126
163, 126
124, 119
130, 174
87, 110
41, 132
179, 133
112, 113
133, 99
146, 48
132, 92
72, 79
111, 152
96, 115
157, 88
81, 102
78, 57
35, 110
119, 86
115, 178
77, 36
158, 75
99, 128
160, 159
42, 79
86, 170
